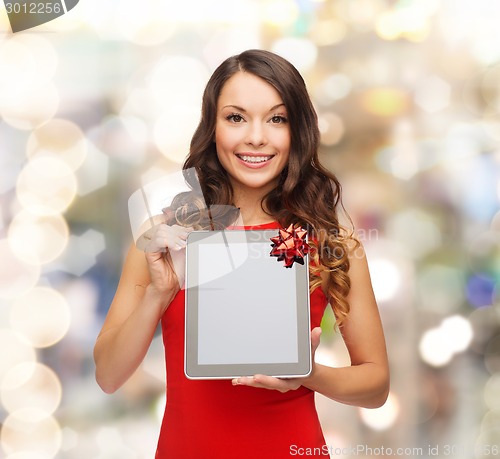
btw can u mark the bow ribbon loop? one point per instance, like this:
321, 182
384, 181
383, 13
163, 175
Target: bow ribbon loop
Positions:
290, 245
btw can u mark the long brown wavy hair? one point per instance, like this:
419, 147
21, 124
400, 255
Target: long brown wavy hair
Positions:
307, 194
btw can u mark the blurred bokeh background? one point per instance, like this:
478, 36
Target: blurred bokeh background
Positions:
107, 97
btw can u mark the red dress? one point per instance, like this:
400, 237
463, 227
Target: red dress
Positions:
215, 420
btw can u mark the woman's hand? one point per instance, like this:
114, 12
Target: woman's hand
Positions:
166, 257
283, 385
149, 281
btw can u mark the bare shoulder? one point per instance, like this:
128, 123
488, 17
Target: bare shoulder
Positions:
357, 261
357, 256
359, 273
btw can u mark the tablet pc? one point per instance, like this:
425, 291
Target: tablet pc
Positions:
246, 313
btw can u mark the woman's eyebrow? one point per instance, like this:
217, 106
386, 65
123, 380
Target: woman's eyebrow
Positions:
277, 106
241, 109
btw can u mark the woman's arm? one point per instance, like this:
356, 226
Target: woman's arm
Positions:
147, 286
366, 381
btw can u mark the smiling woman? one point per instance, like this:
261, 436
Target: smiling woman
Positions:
256, 148
252, 136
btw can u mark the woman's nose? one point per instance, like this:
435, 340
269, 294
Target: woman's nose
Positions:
256, 135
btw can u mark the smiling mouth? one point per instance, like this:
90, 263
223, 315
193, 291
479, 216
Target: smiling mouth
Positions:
255, 159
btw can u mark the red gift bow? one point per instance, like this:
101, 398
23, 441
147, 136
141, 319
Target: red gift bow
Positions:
290, 245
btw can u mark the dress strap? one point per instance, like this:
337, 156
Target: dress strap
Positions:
269, 225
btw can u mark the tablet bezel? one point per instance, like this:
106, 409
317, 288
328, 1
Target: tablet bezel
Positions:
194, 370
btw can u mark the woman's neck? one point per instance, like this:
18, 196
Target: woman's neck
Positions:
249, 218
250, 205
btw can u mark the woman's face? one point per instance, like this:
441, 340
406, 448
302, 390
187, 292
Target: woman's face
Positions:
252, 133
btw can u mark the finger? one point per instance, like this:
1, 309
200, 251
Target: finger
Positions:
168, 236
242, 381
270, 382
265, 382
177, 245
163, 236
176, 237
181, 231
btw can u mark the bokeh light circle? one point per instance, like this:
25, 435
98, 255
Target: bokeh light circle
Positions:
18, 68
416, 230
123, 137
28, 62
31, 430
440, 288
492, 392
439, 345
434, 349
19, 351
334, 87
38, 239
46, 186
42, 315
45, 56
187, 78
480, 289
31, 385
458, 331
149, 25
384, 417
331, 127
385, 102
386, 278
173, 132
16, 276
492, 355
60, 138
302, 53
280, 12
328, 32
33, 107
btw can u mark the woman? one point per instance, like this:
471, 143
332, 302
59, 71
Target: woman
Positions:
256, 147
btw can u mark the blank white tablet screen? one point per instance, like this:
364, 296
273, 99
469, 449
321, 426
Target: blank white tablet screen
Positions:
248, 314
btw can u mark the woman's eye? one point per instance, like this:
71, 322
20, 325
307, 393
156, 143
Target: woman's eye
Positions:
235, 118
278, 119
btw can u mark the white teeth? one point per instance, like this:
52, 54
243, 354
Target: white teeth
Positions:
255, 159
